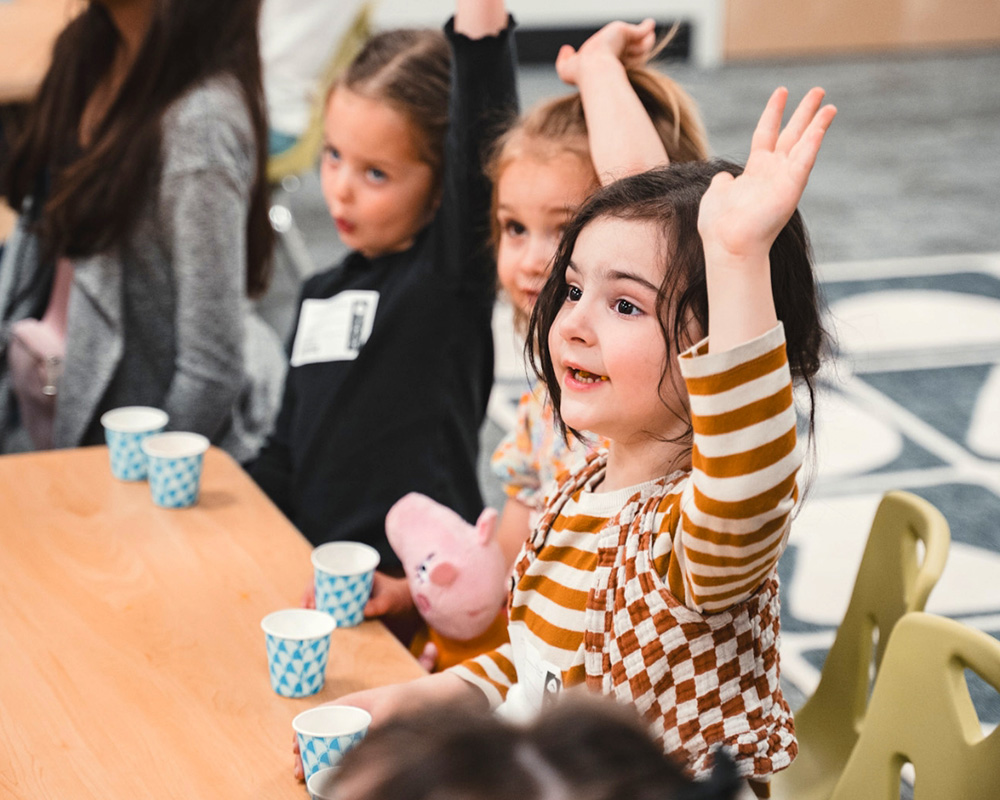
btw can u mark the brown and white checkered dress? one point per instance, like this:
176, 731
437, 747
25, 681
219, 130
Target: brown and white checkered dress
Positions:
664, 594
700, 679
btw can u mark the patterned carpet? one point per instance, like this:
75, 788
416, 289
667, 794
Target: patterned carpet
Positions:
912, 402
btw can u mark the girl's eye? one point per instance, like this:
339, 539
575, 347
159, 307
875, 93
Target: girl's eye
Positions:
513, 228
333, 153
376, 175
626, 308
574, 293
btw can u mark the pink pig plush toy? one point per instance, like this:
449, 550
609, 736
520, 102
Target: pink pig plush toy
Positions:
457, 576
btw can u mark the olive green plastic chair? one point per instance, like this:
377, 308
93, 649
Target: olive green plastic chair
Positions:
921, 713
891, 581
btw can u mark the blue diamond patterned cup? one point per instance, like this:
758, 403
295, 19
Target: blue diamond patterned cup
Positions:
124, 430
343, 573
175, 461
298, 644
325, 733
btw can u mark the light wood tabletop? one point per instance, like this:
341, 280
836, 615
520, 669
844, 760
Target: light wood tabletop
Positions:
132, 663
28, 29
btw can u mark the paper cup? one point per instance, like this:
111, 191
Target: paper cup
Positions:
325, 733
124, 430
322, 784
343, 573
298, 644
175, 461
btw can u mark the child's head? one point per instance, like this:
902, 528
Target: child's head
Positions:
583, 748
384, 131
628, 293
542, 172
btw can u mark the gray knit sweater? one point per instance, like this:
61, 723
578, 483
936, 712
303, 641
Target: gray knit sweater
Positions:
161, 319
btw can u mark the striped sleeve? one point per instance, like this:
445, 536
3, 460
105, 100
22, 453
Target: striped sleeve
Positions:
735, 511
492, 673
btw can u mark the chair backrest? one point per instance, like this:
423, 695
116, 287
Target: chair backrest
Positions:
921, 712
891, 581
303, 154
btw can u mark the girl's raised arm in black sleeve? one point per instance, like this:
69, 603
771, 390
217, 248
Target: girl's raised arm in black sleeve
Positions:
483, 102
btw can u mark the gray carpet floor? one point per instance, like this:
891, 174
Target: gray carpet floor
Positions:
904, 212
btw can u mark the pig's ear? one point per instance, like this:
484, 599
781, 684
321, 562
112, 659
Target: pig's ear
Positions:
486, 526
444, 574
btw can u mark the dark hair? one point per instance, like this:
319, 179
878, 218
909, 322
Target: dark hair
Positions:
585, 748
409, 70
92, 201
669, 198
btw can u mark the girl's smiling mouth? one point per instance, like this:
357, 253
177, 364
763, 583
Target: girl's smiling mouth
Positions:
583, 377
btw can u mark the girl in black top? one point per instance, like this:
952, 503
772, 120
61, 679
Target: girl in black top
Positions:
392, 356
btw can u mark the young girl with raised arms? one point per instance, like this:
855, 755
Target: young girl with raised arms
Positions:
652, 575
392, 357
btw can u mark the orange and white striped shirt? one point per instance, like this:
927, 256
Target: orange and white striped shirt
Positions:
718, 530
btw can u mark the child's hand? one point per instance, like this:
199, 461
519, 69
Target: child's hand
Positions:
309, 596
739, 218
389, 596
629, 44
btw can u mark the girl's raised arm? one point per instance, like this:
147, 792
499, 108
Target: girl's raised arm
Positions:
479, 18
740, 217
622, 138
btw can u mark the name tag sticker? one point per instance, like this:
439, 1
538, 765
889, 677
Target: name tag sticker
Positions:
334, 329
540, 680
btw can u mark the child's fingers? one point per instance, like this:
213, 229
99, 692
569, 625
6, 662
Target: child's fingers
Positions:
566, 64
765, 136
801, 119
298, 770
804, 153
641, 39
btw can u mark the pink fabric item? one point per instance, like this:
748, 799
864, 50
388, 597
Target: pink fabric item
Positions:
35, 359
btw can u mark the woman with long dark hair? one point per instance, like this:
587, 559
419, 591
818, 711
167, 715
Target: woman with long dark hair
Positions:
139, 176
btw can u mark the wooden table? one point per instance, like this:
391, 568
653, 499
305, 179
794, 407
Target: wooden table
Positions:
132, 663
28, 29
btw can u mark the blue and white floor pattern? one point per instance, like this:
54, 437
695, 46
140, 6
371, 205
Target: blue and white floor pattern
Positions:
912, 401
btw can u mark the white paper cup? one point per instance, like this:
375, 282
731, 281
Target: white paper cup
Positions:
175, 464
125, 429
298, 645
325, 733
322, 784
343, 573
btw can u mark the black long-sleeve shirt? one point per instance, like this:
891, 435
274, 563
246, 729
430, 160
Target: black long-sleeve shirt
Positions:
353, 436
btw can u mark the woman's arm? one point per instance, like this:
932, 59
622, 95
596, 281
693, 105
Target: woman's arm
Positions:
205, 215
622, 138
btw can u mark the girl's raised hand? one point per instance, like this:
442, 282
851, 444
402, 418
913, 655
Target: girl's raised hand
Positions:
630, 44
739, 218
